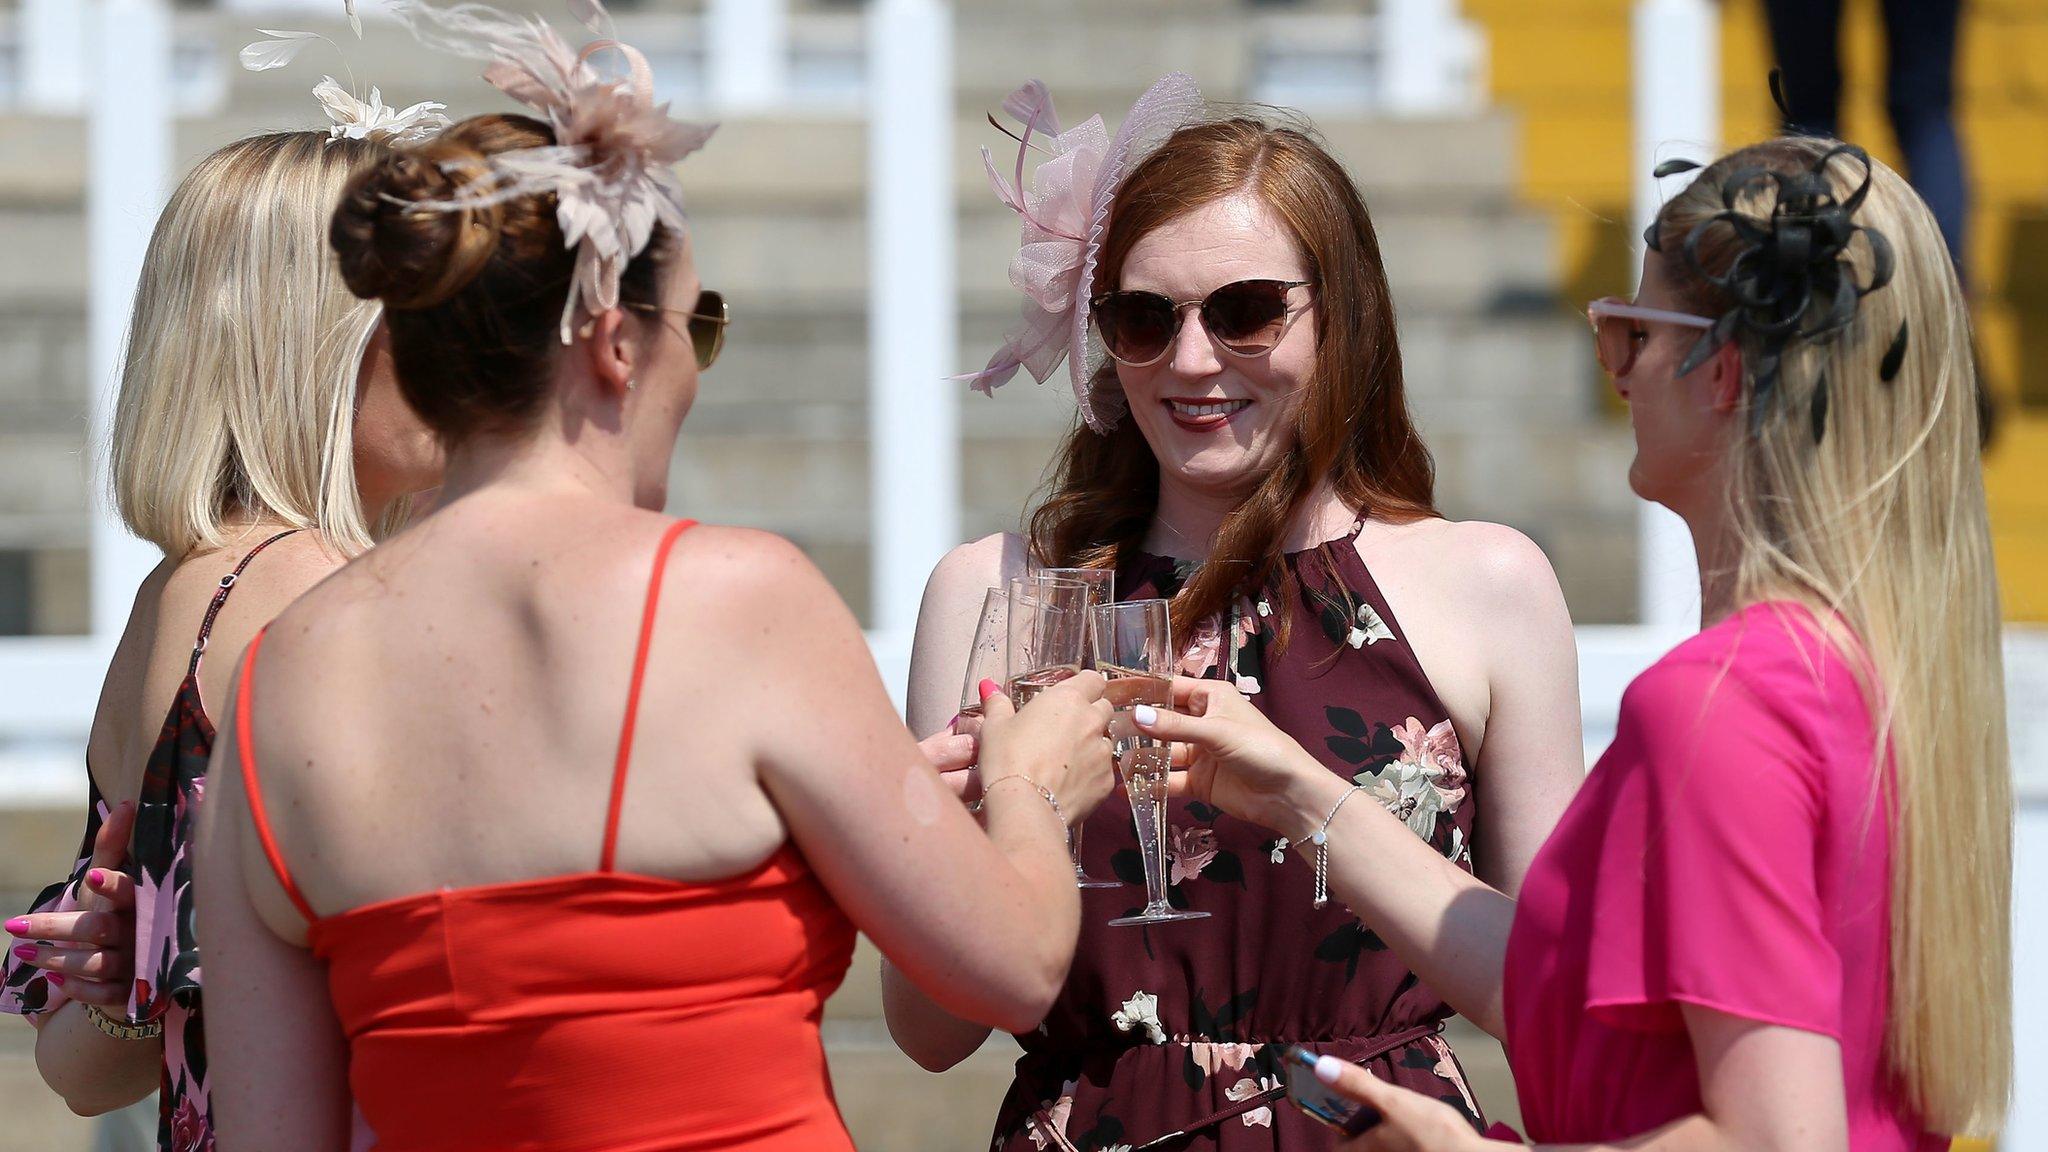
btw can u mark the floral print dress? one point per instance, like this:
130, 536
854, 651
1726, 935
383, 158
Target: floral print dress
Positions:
166, 953
1168, 1036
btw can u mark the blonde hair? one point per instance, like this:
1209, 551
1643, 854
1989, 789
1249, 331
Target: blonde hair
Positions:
238, 390
1882, 523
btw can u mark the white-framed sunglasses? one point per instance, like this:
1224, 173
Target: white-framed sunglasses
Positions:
1619, 333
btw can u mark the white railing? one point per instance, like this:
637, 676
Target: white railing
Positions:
52, 682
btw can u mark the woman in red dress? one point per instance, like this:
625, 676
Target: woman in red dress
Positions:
550, 822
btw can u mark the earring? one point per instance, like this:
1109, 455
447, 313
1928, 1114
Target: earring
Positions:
631, 384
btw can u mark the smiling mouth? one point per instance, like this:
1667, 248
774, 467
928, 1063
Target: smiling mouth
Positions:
1198, 410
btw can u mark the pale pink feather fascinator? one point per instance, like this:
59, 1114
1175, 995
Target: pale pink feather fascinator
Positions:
1065, 214
611, 166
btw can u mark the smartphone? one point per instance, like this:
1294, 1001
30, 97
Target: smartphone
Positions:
1319, 1099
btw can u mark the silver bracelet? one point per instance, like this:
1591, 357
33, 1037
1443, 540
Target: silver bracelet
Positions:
1321, 840
1042, 791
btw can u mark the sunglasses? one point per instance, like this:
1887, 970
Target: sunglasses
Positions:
1246, 318
1619, 330
706, 325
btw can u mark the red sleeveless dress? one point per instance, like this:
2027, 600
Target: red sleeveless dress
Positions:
508, 1016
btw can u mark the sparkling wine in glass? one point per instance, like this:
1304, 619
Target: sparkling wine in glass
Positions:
1048, 641
1101, 584
1134, 650
1048, 633
989, 658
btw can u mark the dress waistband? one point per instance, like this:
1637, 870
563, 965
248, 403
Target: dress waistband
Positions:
1374, 1047
1357, 1049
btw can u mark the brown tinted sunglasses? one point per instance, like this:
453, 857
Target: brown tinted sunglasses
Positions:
706, 325
1244, 318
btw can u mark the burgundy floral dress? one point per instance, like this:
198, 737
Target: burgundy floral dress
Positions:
1168, 1036
166, 952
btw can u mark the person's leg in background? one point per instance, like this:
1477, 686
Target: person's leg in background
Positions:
1919, 95
1805, 37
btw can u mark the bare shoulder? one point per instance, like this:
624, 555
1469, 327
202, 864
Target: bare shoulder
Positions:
1491, 567
284, 571
965, 572
746, 564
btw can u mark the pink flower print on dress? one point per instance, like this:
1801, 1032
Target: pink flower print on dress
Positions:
1447, 1067
1049, 1125
1245, 1089
1188, 851
1204, 651
1213, 1057
1440, 757
189, 1132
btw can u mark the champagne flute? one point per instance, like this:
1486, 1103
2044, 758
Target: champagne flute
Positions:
1048, 637
1048, 634
1134, 650
989, 658
1101, 584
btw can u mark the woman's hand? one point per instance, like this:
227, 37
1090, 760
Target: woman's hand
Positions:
90, 952
952, 754
1409, 1121
1059, 740
1238, 760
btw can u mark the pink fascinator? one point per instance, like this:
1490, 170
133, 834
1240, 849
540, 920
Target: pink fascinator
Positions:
1065, 214
610, 168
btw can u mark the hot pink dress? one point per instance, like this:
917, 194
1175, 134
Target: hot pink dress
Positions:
1729, 851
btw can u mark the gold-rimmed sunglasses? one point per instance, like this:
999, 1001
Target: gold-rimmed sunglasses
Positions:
706, 325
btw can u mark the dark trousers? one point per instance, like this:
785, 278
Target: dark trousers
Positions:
1920, 55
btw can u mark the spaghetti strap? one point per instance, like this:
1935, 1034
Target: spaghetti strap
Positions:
245, 750
220, 598
625, 755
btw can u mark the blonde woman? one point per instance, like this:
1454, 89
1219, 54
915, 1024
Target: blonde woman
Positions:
1775, 918
258, 413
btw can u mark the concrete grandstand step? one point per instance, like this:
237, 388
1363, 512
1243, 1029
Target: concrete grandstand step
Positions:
798, 157
42, 844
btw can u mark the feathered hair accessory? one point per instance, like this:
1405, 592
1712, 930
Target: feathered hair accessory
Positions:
611, 166
1791, 277
352, 118
1065, 214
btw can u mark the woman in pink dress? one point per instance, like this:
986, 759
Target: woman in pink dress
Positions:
1776, 916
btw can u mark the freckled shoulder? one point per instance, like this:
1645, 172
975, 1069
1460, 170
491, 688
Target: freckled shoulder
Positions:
1491, 567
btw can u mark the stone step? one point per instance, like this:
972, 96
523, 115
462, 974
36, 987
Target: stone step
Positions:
36, 1116
799, 158
813, 256
41, 846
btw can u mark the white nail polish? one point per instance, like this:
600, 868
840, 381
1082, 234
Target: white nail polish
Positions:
1328, 1069
1145, 715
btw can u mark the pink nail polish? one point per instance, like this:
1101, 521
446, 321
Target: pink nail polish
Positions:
54, 978
96, 877
988, 688
24, 951
18, 926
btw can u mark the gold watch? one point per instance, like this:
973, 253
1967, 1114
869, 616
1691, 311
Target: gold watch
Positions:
121, 1029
